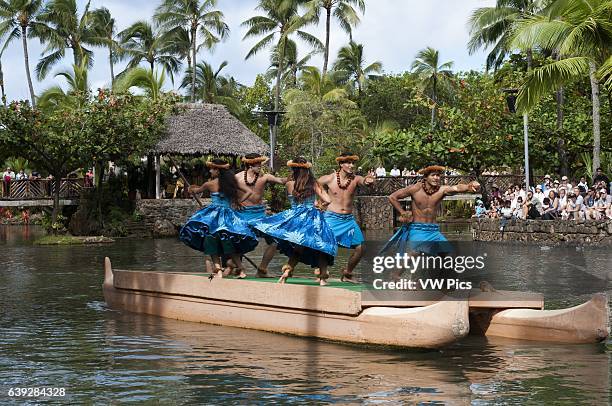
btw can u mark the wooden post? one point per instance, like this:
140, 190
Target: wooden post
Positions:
157, 177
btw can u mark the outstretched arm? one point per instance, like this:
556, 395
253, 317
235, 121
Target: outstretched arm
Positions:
472, 187
276, 180
193, 189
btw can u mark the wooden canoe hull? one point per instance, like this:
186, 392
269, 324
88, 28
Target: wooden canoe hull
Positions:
427, 327
585, 323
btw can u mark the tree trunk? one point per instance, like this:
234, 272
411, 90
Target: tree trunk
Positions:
596, 116
26, 58
56, 199
150, 177
194, 32
434, 97
327, 28
2, 85
112, 68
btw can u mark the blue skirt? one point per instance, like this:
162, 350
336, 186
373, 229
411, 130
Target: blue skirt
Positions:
418, 238
301, 231
221, 223
345, 228
252, 214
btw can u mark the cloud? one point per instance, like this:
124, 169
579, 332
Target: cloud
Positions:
392, 32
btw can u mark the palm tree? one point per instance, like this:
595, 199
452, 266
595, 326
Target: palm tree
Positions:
16, 18
141, 42
212, 87
351, 60
326, 88
292, 63
343, 11
178, 42
105, 28
492, 26
78, 85
2, 82
196, 16
432, 74
62, 28
581, 33
149, 81
281, 20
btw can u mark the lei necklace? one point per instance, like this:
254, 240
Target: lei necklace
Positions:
254, 180
430, 190
350, 179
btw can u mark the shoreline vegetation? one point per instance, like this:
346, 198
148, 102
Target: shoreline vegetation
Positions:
72, 240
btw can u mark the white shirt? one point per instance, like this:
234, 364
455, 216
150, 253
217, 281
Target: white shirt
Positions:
11, 174
395, 172
381, 172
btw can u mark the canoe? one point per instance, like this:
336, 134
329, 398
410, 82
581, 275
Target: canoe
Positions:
585, 323
311, 311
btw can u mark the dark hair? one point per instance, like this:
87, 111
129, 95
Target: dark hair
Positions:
546, 200
304, 181
228, 185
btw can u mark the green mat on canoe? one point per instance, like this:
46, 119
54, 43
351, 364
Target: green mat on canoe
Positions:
304, 281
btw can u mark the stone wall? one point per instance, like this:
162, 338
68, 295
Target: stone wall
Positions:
552, 232
161, 218
374, 212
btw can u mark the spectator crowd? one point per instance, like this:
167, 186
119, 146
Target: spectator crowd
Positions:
553, 199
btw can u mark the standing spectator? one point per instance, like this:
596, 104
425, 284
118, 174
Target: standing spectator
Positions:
88, 178
556, 186
7, 177
495, 193
395, 172
583, 184
381, 172
372, 173
405, 172
547, 184
539, 194
600, 177
565, 183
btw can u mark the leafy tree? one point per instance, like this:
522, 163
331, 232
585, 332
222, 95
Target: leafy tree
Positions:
433, 75
196, 17
350, 60
343, 11
141, 42
582, 35
60, 28
17, 17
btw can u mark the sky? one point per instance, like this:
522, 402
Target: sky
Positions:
392, 31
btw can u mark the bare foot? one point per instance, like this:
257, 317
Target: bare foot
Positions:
261, 273
286, 273
317, 271
347, 277
241, 275
323, 279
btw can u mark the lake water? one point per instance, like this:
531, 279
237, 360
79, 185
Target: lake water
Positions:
56, 331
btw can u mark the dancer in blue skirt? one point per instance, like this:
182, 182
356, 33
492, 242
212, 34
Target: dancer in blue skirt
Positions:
301, 232
216, 230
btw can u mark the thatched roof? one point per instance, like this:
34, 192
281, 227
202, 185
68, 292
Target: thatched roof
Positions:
201, 129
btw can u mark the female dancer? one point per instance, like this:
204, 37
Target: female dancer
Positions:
301, 232
216, 230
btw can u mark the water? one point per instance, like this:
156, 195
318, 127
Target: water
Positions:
56, 331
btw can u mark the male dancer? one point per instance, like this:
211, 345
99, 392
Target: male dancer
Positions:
422, 234
341, 186
253, 209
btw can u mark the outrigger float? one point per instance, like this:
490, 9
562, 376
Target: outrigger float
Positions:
342, 312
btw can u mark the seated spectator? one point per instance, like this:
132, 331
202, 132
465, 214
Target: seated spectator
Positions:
481, 211
562, 199
547, 184
405, 172
493, 212
381, 172
495, 193
395, 172
556, 186
573, 210
539, 194
601, 177
583, 184
550, 212
564, 183
372, 173
517, 211
532, 207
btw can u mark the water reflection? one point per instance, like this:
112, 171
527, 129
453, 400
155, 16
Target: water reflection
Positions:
55, 330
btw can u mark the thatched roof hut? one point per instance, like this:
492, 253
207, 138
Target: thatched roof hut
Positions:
202, 129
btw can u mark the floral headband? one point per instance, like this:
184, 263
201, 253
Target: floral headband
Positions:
349, 158
212, 165
256, 160
305, 165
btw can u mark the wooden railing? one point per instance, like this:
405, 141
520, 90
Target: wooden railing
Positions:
41, 189
387, 185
